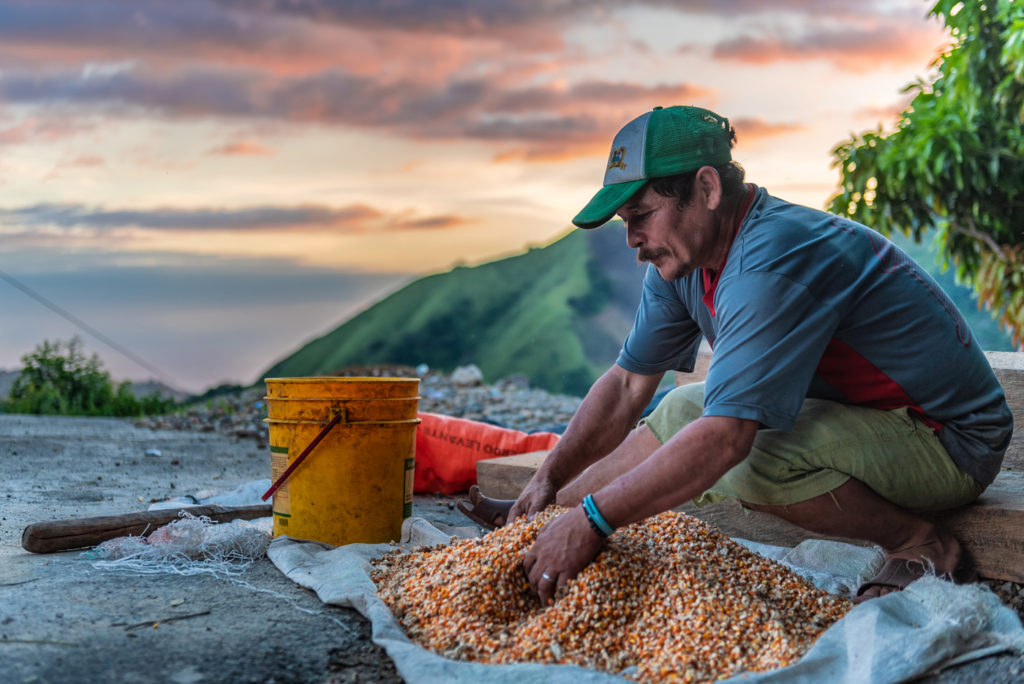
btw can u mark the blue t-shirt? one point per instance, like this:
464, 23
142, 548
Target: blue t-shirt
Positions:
809, 304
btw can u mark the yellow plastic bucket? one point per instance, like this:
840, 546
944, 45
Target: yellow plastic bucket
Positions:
355, 484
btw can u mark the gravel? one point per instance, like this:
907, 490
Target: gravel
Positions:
509, 402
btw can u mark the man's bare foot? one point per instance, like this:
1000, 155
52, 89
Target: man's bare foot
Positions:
940, 555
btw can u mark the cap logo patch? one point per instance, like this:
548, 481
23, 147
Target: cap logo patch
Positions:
615, 160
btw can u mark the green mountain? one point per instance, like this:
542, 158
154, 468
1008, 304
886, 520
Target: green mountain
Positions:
557, 314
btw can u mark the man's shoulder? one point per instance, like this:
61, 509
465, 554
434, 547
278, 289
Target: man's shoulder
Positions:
784, 237
769, 210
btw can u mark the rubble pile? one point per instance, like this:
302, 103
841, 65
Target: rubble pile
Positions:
509, 402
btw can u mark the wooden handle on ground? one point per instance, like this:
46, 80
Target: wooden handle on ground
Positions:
63, 535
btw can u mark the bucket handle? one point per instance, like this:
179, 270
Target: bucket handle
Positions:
338, 417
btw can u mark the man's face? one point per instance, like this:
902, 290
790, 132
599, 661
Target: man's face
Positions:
675, 241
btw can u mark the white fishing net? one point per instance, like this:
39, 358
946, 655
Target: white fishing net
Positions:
188, 546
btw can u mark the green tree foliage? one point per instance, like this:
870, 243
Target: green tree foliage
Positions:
58, 378
955, 162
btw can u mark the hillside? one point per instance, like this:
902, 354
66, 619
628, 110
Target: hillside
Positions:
558, 314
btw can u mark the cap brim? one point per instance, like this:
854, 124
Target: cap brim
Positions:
606, 202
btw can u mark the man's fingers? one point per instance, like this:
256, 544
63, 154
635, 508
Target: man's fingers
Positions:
546, 585
528, 562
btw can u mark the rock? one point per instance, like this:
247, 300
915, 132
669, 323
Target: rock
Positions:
467, 376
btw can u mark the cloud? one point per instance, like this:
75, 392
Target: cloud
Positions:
563, 117
756, 129
242, 148
87, 161
44, 218
857, 49
455, 17
42, 128
888, 113
371, 39
496, 71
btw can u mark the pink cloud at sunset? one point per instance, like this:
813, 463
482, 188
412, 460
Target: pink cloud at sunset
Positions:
307, 218
243, 148
860, 47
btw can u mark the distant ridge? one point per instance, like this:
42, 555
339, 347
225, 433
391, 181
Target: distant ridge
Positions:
557, 314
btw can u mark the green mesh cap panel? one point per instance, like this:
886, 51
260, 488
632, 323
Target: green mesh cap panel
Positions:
683, 139
662, 142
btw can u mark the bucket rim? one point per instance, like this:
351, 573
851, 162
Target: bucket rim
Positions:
320, 400
296, 421
340, 378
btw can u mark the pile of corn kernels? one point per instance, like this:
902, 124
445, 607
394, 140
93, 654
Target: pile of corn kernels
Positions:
668, 598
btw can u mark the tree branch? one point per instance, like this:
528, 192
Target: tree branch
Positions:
972, 232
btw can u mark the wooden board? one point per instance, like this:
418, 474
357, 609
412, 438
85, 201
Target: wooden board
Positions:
506, 476
700, 368
992, 528
1009, 369
76, 533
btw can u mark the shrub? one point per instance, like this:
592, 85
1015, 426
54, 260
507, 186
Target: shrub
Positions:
58, 378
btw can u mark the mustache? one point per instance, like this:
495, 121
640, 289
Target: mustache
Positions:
645, 255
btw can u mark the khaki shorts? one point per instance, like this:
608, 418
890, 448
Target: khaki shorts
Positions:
896, 455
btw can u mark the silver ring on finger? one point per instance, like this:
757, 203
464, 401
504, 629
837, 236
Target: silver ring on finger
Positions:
546, 576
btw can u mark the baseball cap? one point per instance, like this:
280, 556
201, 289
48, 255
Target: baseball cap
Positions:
663, 142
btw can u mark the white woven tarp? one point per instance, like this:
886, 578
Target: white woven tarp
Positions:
930, 625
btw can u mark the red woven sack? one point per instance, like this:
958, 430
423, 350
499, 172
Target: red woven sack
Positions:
447, 450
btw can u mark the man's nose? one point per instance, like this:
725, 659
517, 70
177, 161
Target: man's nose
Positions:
633, 237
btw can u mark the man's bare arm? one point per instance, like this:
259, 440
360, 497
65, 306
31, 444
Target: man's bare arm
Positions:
604, 418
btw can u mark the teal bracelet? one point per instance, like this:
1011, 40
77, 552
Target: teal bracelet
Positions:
595, 518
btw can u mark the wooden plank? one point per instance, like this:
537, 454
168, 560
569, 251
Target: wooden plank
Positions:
700, 368
62, 535
506, 476
992, 528
1009, 369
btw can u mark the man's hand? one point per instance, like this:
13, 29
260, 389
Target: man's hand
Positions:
565, 546
535, 497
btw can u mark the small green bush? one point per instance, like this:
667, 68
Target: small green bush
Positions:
57, 378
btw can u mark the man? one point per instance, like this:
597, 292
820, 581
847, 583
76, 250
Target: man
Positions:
846, 393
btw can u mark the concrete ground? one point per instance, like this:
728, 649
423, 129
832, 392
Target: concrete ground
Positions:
61, 620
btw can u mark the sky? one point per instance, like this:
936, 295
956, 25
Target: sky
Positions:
209, 184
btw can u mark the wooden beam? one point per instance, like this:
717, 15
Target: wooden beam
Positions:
992, 528
1009, 369
506, 476
700, 367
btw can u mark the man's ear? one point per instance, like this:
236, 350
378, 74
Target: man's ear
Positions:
709, 185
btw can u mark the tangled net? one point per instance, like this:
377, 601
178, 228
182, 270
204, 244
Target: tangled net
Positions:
188, 546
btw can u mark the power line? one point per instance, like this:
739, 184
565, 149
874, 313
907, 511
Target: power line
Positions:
85, 327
